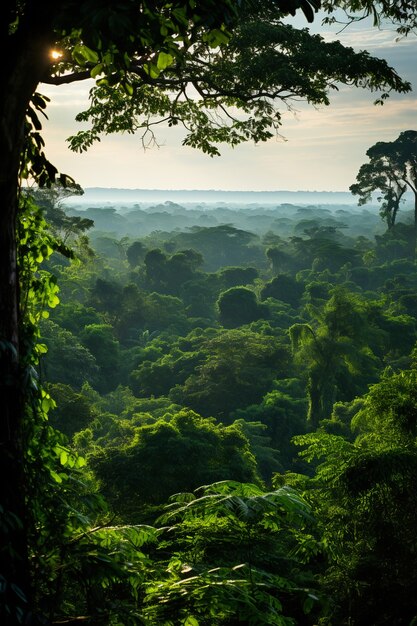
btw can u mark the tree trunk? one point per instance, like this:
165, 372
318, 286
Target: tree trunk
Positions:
415, 222
13, 542
19, 78
314, 414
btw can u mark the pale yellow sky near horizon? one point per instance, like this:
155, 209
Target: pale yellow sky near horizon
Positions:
323, 148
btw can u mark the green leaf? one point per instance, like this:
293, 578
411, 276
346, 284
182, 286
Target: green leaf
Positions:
97, 70
80, 461
57, 478
63, 457
83, 55
151, 69
128, 88
53, 301
217, 37
47, 403
164, 60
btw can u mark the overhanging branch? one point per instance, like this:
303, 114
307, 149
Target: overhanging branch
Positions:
66, 79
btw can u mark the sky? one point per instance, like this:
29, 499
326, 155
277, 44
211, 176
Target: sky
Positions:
321, 149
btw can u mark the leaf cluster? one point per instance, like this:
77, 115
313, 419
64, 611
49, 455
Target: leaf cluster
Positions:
275, 63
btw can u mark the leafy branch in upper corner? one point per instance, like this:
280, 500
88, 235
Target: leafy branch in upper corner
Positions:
230, 96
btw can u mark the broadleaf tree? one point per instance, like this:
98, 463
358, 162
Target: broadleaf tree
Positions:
377, 177
267, 62
392, 170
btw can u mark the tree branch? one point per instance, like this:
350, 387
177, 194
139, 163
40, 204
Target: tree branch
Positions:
65, 79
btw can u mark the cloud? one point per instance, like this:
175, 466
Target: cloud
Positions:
371, 39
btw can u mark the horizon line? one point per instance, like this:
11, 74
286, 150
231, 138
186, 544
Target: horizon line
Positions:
218, 190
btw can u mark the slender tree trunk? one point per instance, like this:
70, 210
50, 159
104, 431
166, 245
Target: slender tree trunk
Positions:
415, 222
314, 414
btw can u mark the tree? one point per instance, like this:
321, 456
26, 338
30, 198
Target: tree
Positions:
222, 245
284, 287
237, 276
135, 253
32, 451
73, 411
199, 295
238, 306
155, 268
283, 413
138, 52
161, 458
334, 348
67, 360
106, 296
364, 494
392, 170
378, 176
165, 313
273, 61
130, 320
279, 259
73, 316
50, 199
396, 243
238, 555
238, 368
100, 342
168, 274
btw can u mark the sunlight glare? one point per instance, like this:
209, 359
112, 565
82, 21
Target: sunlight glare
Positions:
55, 54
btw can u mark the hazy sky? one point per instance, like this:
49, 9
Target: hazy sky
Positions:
323, 149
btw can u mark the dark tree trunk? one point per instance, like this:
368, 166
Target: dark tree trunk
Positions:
13, 542
14, 567
19, 78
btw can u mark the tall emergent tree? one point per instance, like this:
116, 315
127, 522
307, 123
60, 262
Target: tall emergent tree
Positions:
378, 177
144, 56
392, 170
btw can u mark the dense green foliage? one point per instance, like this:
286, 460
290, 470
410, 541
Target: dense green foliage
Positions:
169, 373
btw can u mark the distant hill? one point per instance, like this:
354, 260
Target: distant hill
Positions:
102, 195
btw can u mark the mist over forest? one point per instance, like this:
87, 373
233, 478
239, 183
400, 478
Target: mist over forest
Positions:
103, 196
138, 213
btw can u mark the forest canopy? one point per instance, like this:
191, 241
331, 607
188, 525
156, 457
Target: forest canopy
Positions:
198, 368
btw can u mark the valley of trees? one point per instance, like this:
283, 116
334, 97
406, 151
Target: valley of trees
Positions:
267, 377
208, 415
